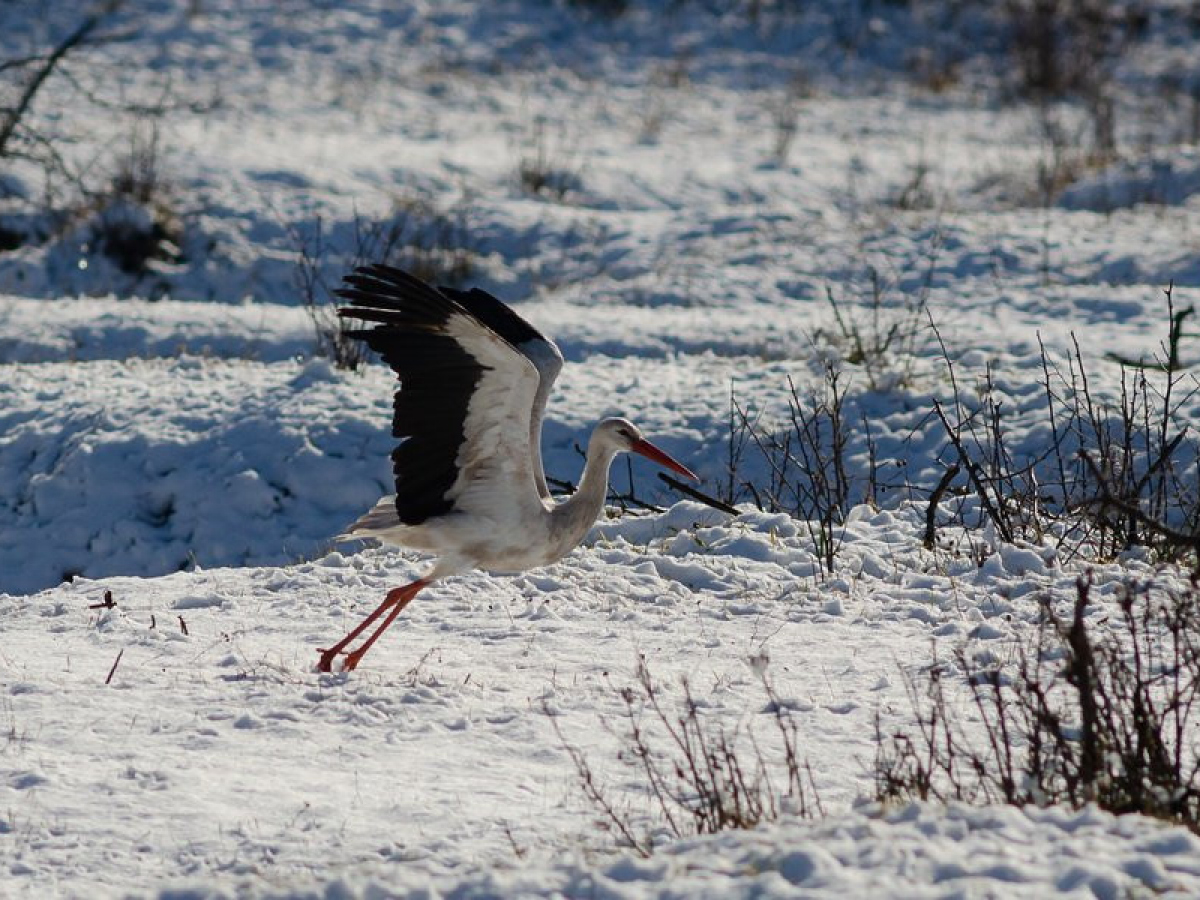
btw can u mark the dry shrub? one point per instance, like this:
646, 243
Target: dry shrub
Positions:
432, 242
1098, 710
1114, 475
697, 776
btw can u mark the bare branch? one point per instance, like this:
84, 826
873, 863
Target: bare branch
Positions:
76, 38
934, 499
116, 662
704, 498
1166, 532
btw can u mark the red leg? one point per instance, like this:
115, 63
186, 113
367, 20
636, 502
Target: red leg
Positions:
327, 656
402, 597
399, 598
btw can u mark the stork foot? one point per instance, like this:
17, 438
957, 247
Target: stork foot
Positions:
325, 663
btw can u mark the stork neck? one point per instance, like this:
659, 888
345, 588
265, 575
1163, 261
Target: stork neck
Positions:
593, 484
578, 512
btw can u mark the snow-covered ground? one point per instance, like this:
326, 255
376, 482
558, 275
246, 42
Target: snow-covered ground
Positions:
729, 202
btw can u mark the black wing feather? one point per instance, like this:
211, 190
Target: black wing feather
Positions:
494, 314
437, 376
437, 379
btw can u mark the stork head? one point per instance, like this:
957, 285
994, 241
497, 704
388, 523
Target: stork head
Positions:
622, 436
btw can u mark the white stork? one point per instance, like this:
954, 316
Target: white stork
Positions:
474, 380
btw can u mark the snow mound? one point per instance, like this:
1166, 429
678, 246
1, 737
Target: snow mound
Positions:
912, 851
1170, 181
147, 466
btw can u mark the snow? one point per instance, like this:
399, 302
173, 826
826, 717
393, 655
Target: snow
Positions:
170, 438
220, 752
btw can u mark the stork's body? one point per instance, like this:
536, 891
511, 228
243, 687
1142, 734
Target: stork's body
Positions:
470, 489
513, 538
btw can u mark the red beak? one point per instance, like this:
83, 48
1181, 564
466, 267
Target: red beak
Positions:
648, 450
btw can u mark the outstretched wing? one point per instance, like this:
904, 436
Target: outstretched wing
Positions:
464, 410
540, 351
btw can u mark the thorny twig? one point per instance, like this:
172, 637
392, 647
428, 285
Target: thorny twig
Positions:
116, 662
704, 498
934, 499
1108, 497
107, 603
973, 473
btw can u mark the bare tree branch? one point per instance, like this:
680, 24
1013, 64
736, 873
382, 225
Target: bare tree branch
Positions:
12, 119
698, 495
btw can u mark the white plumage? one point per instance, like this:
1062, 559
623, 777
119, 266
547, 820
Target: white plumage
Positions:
474, 381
